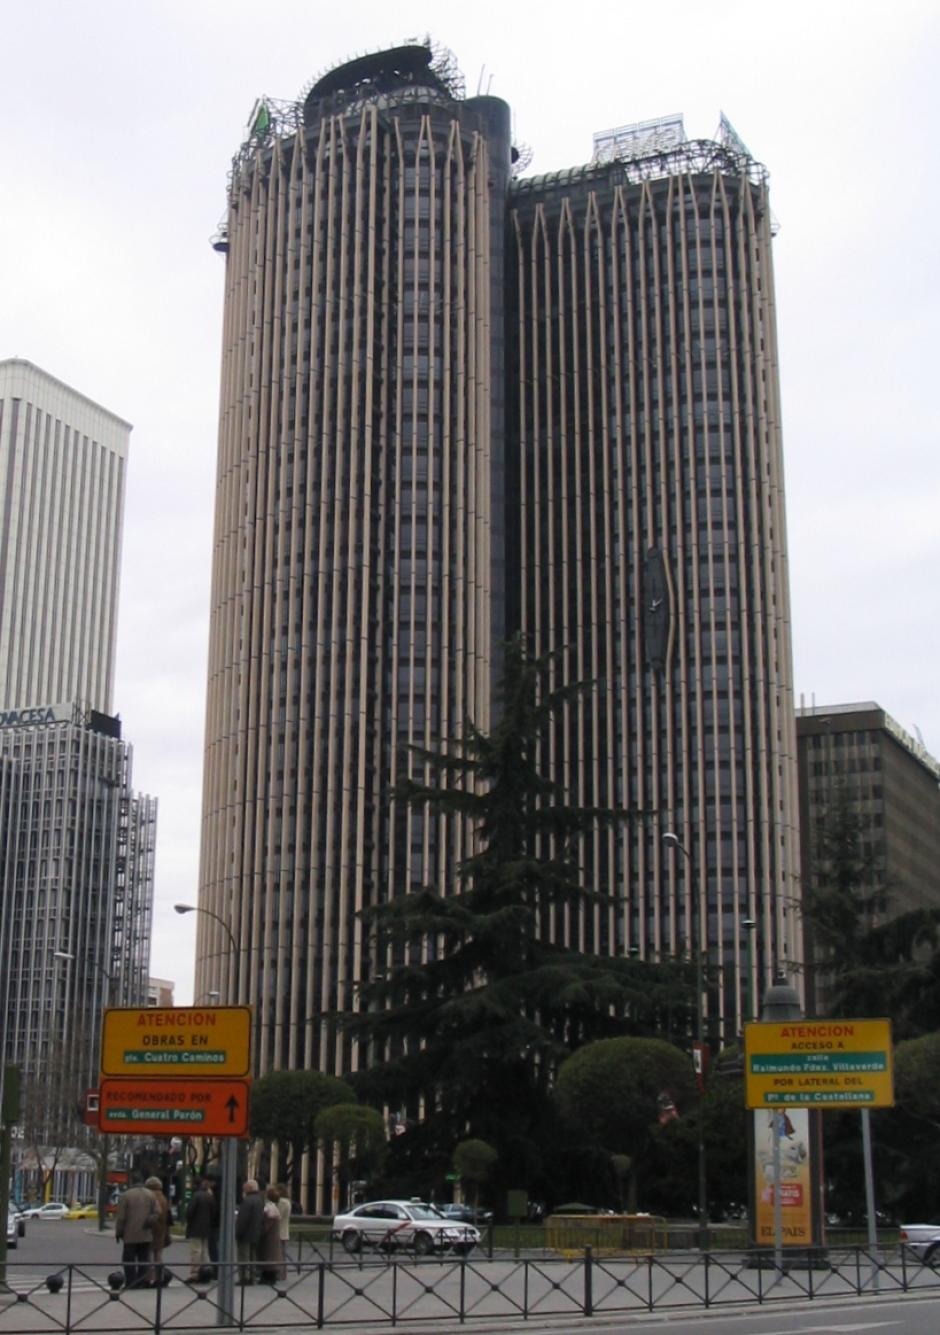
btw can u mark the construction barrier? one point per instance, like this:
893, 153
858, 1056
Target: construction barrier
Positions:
607, 1234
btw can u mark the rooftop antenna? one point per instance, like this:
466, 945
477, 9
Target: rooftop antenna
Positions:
480, 80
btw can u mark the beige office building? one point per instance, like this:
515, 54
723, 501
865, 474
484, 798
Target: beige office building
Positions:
457, 403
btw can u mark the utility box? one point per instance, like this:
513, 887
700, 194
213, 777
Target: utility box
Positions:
517, 1205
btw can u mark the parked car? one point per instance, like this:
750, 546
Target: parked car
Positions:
51, 1210
13, 1230
466, 1214
87, 1211
415, 1225
923, 1240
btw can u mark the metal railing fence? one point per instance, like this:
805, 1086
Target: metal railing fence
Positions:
373, 1291
314, 1241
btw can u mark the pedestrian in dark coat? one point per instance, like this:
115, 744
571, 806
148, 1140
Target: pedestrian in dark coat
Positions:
214, 1189
133, 1227
202, 1214
249, 1221
270, 1255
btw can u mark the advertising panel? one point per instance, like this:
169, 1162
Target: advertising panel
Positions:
796, 1205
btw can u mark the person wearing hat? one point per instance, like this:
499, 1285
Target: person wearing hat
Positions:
161, 1233
134, 1222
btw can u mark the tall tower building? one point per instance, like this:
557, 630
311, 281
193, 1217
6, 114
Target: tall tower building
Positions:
356, 591
76, 842
648, 539
457, 404
62, 465
76, 871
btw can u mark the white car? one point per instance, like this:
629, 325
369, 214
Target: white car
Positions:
410, 1224
922, 1239
13, 1229
51, 1210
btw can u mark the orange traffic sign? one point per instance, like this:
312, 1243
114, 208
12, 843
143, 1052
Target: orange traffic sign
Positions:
142, 1107
175, 1041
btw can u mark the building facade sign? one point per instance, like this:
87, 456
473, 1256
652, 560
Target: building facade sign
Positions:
35, 716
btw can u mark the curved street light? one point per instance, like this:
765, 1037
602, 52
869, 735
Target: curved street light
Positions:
236, 969
209, 913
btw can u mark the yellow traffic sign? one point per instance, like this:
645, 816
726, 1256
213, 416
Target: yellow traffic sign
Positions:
819, 1064
177, 1041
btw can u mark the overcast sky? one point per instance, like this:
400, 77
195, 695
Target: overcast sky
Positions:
120, 122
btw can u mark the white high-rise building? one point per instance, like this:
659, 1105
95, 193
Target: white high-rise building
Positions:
76, 842
63, 461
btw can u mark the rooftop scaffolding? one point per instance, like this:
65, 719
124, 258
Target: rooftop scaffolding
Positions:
690, 157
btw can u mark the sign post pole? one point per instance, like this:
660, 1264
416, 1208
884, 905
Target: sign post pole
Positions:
803, 1064
225, 1311
870, 1196
183, 1070
778, 1197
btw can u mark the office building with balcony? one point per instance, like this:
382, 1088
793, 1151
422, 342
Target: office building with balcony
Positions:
856, 761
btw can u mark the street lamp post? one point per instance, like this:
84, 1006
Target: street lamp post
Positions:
212, 998
216, 917
781, 1003
5, 952
673, 841
5, 1141
5, 1130
750, 926
103, 1193
214, 994
226, 1303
